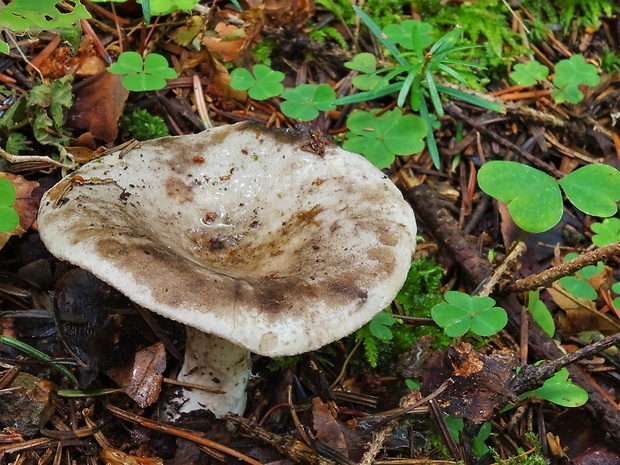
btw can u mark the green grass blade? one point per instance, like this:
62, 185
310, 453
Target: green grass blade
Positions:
445, 42
431, 143
378, 33
29, 350
432, 91
453, 73
402, 95
369, 94
469, 98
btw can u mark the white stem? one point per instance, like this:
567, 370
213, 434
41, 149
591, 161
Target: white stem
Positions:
215, 363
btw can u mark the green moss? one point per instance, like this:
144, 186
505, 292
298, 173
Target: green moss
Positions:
485, 23
142, 125
262, 51
417, 297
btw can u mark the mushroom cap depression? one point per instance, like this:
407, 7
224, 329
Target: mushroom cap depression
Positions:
263, 237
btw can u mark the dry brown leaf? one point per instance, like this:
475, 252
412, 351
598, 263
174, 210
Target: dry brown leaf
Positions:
141, 378
25, 205
97, 105
328, 430
226, 43
579, 314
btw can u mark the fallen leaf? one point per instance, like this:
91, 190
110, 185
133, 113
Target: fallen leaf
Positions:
25, 205
226, 42
579, 314
184, 35
327, 428
98, 104
141, 378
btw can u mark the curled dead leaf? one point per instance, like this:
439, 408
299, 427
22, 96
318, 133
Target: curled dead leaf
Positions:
25, 204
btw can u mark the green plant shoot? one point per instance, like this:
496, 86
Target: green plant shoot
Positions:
462, 313
541, 313
560, 390
9, 219
414, 77
142, 76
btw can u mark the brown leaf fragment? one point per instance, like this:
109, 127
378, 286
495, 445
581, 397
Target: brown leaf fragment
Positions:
25, 205
141, 378
480, 381
97, 105
327, 428
579, 314
225, 42
184, 35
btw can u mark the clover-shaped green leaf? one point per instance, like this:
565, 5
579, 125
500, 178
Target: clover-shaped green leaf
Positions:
607, 232
365, 63
578, 286
410, 34
616, 288
9, 219
142, 76
381, 138
569, 75
529, 73
379, 326
541, 313
593, 189
533, 197
462, 313
304, 102
560, 390
264, 84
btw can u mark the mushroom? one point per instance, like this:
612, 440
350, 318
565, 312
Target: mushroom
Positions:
258, 240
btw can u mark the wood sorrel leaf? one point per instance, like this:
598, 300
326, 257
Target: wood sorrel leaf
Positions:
8, 216
533, 197
593, 189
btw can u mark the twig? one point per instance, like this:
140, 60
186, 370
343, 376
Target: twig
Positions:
286, 445
545, 278
16, 159
458, 114
533, 376
402, 411
514, 254
374, 447
179, 432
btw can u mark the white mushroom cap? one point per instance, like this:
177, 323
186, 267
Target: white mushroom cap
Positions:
241, 232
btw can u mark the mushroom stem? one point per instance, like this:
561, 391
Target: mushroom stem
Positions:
214, 363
